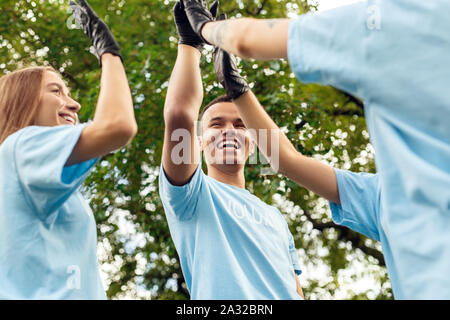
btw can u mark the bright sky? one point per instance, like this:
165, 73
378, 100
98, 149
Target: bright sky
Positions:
330, 4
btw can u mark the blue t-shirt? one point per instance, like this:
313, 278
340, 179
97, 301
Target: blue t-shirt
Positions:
48, 237
231, 244
395, 56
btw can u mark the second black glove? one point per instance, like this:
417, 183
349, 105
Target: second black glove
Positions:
228, 73
185, 32
198, 14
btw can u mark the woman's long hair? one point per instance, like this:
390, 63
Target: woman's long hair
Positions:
20, 94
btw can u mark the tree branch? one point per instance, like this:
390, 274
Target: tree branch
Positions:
346, 234
351, 99
72, 79
261, 7
347, 112
300, 125
258, 10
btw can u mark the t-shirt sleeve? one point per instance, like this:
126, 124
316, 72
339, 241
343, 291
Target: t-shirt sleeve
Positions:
40, 155
326, 47
180, 202
360, 199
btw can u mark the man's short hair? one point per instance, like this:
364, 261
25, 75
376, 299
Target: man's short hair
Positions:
223, 98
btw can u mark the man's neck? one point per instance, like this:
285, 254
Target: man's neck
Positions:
229, 174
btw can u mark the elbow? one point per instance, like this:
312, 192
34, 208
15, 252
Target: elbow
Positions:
287, 160
123, 132
243, 50
280, 169
130, 131
178, 118
242, 43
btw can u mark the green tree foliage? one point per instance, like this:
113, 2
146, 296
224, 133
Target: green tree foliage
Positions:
136, 253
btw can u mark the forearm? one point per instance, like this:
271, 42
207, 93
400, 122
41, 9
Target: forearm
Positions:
114, 124
250, 38
282, 155
185, 91
115, 104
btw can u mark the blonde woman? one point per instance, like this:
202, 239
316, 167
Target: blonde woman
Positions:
47, 231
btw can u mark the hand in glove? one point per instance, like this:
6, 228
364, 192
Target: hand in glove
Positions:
198, 14
98, 32
185, 32
227, 72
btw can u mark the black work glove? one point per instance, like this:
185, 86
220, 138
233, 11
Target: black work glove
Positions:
185, 32
97, 31
227, 72
198, 14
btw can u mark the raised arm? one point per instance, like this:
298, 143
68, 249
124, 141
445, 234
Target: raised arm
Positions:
250, 38
283, 157
181, 109
181, 152
247, 37
114, 124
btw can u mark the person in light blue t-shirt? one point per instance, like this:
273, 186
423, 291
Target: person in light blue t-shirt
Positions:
48, 239
231, 244
394, 55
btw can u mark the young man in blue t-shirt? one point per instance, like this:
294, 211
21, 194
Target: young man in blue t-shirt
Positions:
394, 55
231, 244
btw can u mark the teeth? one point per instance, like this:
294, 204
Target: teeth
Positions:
229, 145
68, 118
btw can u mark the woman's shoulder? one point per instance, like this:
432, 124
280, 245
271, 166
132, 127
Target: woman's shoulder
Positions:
30, 137
11, 140
30, 132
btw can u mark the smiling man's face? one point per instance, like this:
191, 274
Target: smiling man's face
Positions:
56, 107
225, 139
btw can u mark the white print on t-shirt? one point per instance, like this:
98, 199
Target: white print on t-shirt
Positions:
241, 211
74, 280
